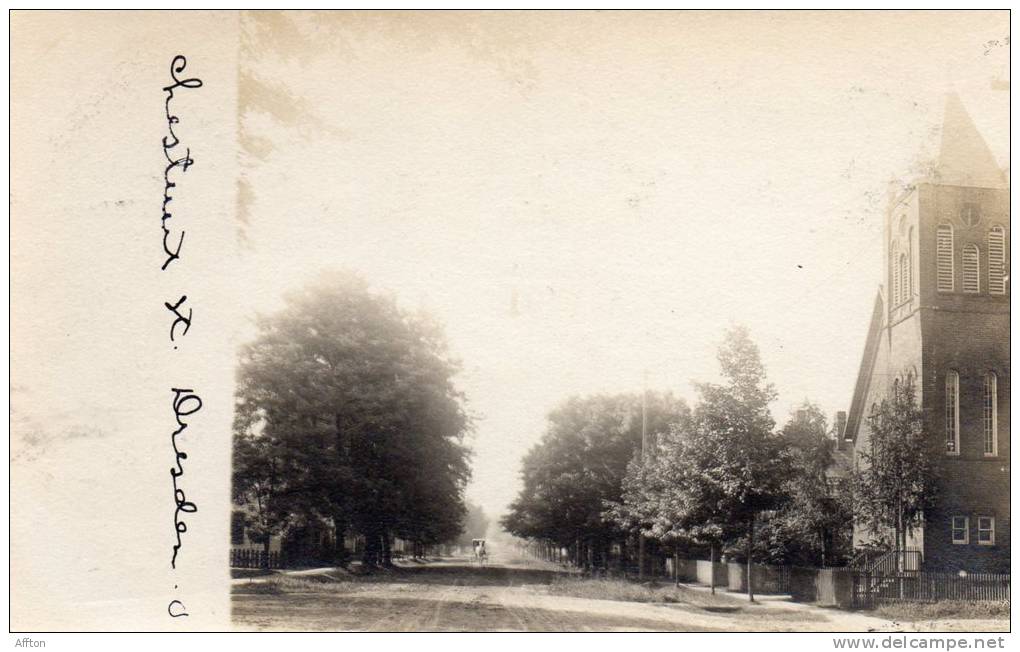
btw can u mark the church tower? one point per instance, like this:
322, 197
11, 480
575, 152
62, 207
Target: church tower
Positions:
942, 318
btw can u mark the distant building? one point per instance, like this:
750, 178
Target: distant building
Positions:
942, 317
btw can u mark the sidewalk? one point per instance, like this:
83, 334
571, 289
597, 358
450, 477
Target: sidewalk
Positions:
855, 620
771, 599
351, 569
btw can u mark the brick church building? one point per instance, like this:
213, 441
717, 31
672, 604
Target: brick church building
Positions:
942, 317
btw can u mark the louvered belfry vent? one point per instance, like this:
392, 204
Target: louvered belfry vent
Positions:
971, 269
944, 255
997, 260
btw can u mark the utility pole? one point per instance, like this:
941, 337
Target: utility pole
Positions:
644, 419
750, 524
644, 457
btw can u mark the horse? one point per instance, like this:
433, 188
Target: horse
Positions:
481, 556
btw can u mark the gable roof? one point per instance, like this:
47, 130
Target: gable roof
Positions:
964, 158
856, 411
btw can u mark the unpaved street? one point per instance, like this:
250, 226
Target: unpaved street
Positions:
509, 594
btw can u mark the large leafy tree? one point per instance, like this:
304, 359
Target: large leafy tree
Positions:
896, 478
717, 471
648, 502
578, 468
813, 526
742, 462
347, 412
678, 496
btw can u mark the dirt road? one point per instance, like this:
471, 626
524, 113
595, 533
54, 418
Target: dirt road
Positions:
509, 594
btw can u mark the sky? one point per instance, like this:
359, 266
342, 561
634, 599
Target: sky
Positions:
588, 199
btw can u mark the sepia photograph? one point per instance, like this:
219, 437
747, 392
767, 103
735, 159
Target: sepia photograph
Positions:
511, 321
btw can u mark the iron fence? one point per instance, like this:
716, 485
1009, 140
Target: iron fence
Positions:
251, 558
870, 589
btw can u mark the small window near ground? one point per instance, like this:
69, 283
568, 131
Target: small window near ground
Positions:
986, 530
961, 533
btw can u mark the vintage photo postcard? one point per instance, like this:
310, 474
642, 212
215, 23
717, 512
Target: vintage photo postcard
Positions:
511, 321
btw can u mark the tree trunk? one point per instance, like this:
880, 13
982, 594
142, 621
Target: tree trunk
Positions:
370, 556
676, 564
901, 536
902, 545
265, 552
366, 552
824, 541
750, 551
712, 569
640, 556
339, 541
387, 553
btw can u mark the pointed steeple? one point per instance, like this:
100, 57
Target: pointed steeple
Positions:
964, 158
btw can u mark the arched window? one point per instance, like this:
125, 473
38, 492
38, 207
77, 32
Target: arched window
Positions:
944, 257
953, 413
997, 260
991, 414
971, 269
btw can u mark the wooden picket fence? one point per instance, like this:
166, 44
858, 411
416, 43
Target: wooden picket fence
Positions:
870, 589
251, 558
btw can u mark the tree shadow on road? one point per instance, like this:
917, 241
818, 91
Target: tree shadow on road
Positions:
361, 612
472, 575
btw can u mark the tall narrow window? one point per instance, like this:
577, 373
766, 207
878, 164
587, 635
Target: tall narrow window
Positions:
953, 413
904, 279
961, 530
986, 530
971, 269
895, 281
997, 260
991, 414
944, 258
910, 263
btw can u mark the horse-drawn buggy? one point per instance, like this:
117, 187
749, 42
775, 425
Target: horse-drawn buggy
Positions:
481, 556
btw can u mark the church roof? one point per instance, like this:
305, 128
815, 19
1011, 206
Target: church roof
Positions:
964, 158
856, 415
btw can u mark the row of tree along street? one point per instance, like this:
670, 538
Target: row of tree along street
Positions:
348, 423
719, 477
